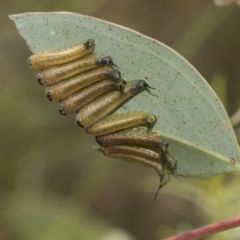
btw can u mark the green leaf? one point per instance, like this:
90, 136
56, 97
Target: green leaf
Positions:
191, 118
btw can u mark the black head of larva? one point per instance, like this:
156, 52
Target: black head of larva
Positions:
172, 164
114, 74
89, 43
104, 61
29, 62
97, 140
165, 147
141, 84
146, 85
39, 78
60, 109
79, 124
121, 84
48, 95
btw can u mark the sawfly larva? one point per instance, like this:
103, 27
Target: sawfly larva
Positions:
116, 122
162, 171
136, 136
63, 89
107, 103
134, 150
79, 99
136, 159
56, 74
48, 59
145, 156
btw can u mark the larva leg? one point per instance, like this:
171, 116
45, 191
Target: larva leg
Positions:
116, 122
137, 136
63, 89
107, 103
79, 99
48, 59
171, 164
164, 179
56, 74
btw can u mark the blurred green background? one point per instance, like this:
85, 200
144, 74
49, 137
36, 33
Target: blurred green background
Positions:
55, 186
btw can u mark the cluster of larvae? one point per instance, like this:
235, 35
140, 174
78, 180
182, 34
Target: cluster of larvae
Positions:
89, 85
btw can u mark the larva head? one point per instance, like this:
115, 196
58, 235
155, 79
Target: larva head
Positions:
114, 74
90, 43
77, 122
171, 163
150, 118
164, 179
104, 61
120, 84
29, 61
39, 78
33, 61
135, 86
48, 94
61, 110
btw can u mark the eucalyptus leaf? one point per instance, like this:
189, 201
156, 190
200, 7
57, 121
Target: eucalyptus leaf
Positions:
191, 118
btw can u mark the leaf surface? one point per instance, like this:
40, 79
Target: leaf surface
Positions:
191, 117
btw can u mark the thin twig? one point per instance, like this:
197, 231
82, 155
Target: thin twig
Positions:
235, 118
207, 230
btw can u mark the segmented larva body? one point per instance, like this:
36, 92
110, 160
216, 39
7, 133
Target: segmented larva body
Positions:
136, 136
141, 137
141, 155
79, 99
140, 160
57, 74
63, 89
117, 122
134, 150
143, 160
107, 103
48, 59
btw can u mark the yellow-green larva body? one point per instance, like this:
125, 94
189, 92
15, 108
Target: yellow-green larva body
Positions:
107, 103
116, 122
63, 89
56, 74
81, 98
162, 172
135, 150
137, 135
48, 59
131, 155
131, 158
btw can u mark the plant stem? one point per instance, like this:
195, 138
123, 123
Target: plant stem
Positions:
207, 230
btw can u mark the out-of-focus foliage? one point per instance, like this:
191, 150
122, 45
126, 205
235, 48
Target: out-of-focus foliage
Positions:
226, 2
47, 166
